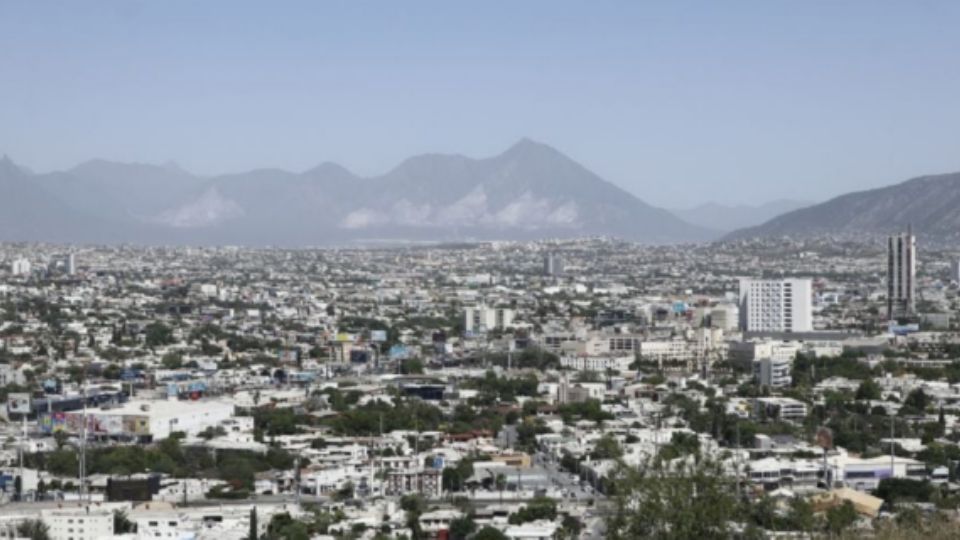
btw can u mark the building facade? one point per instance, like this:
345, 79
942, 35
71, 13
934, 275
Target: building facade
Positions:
901, 275
776, 305
480, 319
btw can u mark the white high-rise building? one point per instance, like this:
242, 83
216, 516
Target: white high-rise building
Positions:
776, 305
480, 319
552, 264
20, 267
70, 264
901, 275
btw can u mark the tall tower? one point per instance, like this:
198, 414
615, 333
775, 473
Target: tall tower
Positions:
552, 264
901, 274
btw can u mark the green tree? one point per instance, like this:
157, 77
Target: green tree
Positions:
689, 500
501, 483
606, 447
917, 399
801, 516
122, 523
284, 527
840, 517
158, 335
411, 366
462, 527
570, 528
254, 532
536, 509
414, 506
868, 389
489, 533
34, 529
172, 361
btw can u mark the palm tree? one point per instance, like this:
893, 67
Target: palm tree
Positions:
501, 482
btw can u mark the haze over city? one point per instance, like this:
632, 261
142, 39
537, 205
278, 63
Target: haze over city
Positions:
678, 103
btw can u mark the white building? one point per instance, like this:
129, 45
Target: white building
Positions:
773, 372
81, 523
534, 530
864, 474
776, 305
597, 363
783, 408
20, 267
675, 351
154, 419
480, 319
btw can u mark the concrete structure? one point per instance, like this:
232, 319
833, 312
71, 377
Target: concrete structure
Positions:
773, 372
147, 419
865, 474
552, 264
424, 481
599, 364
776, 305
480, 319
901, 275
84, 523
782, 408
70, 264
20, 267
674, 351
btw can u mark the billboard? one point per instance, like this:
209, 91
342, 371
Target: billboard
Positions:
18, 403
136, 424
111, 424
399, 352
51, 423
378, 336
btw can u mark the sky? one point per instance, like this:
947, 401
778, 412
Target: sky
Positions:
678, 102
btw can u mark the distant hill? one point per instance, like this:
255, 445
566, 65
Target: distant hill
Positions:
931, 204
529, 191
727, 218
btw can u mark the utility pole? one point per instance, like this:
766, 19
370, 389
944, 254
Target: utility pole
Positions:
738, 459
892, 443
296, 477
380, 469
23, 441
83, 444
416, 452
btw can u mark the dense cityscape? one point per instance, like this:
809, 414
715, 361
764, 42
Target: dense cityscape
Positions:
524, 390
498, 270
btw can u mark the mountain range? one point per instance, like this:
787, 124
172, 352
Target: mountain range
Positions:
529, 191
726, 218
930, 204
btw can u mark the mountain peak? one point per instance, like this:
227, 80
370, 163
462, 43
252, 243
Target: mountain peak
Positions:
329, 169
7, 166
527, 145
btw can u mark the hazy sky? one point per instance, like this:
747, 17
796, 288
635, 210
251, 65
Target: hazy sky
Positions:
678, 102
